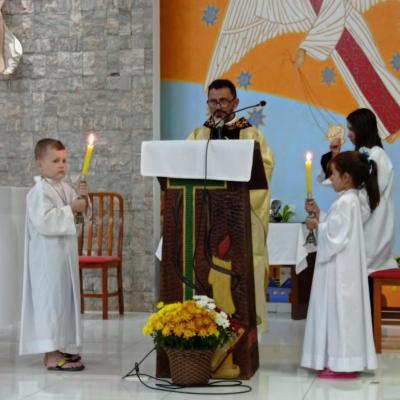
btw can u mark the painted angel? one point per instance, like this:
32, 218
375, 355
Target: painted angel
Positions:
10, 47
335, 28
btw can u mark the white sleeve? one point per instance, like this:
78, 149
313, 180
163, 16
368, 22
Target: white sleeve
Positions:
321, 176
326, 31
384, 166
322, 215
364, 205
333, 232
46, 217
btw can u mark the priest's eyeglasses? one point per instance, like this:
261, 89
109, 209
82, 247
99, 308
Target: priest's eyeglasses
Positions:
222, 102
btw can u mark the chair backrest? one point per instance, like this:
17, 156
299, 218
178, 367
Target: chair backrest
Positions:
102, 234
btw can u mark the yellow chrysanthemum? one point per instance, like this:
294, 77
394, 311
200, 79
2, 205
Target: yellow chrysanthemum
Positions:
178, 330
203, 332
184, 320
147, 330
191, 325
166, 331
187, 333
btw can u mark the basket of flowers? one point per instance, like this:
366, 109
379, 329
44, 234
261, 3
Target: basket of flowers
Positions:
189, 332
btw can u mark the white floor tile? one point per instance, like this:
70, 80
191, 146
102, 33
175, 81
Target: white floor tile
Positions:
111, 347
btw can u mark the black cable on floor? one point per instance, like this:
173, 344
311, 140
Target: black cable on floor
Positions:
167, 386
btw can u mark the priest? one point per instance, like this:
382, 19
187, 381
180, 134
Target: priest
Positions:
225, 124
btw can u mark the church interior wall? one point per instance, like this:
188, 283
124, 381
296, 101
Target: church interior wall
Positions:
87, 64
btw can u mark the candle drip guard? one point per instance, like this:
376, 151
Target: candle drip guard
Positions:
79, 219
311, 238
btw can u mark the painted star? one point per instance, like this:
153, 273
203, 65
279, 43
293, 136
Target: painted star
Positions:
256, 118
396, 61
243, 79
328, 75
210, 15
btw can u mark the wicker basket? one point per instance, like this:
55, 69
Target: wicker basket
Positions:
190, 367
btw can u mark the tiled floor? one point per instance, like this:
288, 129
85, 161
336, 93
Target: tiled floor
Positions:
112, 346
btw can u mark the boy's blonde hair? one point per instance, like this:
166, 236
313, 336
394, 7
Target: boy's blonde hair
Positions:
44, 144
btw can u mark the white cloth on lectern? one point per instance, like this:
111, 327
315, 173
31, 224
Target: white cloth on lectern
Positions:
227, 160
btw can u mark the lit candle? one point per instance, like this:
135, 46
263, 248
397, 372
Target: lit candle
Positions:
309, 172
88, 156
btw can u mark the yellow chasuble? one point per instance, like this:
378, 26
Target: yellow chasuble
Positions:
259, 202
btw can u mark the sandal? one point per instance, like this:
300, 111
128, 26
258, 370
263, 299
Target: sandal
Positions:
329, 374
71, 357
62, 366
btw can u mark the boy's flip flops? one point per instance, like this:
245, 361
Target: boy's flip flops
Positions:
62, 366
71, 357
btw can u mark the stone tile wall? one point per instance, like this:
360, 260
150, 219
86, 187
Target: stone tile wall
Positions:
87, 64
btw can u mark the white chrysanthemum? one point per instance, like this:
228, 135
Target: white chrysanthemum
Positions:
205, 302
221, 320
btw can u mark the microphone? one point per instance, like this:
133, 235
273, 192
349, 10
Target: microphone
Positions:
220, 124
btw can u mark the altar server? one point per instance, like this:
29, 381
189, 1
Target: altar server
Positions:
380, 227
338, 337
50, 320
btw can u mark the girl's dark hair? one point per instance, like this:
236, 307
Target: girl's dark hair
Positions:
364, 173
363, 124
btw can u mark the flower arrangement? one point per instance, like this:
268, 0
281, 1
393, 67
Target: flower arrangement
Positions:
191, 325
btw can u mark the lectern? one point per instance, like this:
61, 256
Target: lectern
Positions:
207, 246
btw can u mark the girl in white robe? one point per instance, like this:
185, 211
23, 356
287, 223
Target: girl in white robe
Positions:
380, 227
50, 319
338, 336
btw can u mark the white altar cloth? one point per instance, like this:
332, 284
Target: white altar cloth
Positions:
286, 245
12, 232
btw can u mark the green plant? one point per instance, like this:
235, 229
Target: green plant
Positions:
398, 261
287, 213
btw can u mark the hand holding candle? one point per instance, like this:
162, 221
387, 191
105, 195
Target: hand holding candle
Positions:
312, 221
309, 173
88, 156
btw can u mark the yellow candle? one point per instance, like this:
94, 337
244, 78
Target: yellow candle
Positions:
309, 172
88, 156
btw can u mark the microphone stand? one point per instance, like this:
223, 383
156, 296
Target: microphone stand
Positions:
219, 131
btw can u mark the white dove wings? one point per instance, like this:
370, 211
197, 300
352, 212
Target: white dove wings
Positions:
249, 23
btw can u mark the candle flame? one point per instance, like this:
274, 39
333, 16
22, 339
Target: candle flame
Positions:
308, 156
91, 138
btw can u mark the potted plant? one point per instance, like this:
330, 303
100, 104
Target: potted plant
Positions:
287, 213
189, 332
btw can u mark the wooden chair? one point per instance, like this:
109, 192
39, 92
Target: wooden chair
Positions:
100, 246
384, 315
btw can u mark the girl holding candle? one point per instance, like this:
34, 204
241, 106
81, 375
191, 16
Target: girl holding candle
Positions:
338, 337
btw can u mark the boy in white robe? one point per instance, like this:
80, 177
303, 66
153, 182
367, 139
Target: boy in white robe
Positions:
50, 319
338, 336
